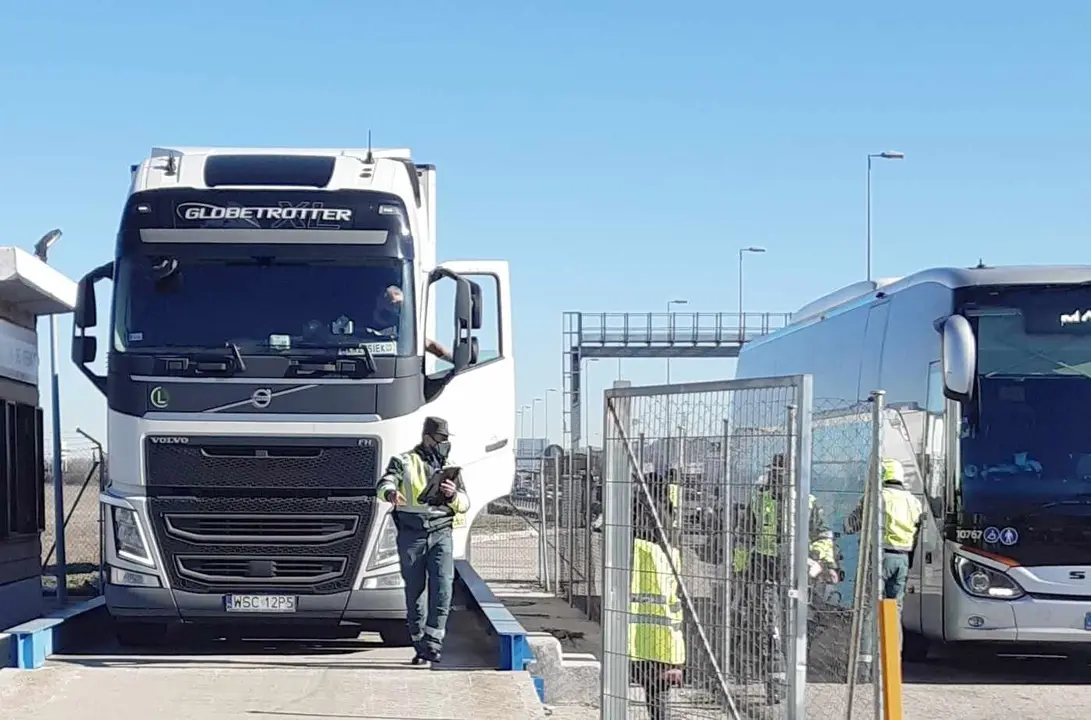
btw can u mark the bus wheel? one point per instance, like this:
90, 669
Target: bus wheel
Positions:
914, 647
140, 634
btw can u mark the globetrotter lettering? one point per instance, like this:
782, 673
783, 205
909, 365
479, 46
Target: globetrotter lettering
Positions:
204, 211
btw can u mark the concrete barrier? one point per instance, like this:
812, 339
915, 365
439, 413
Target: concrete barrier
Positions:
513, 650
566, 678
27, 646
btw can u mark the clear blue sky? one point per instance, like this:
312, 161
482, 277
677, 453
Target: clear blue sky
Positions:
617, 153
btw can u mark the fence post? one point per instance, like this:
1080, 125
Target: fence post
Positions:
799, 454
617, 533
557, 523
878, 413
724, 504
543, 546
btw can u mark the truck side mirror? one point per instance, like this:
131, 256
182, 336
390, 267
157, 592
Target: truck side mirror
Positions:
463, 350
84, 349
477, 305
959, 358
85, 316
86, 312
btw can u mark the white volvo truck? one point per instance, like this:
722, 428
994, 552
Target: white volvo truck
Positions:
258, 379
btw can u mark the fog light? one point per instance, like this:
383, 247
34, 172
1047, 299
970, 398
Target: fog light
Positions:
389, 581
131, 578
976, 621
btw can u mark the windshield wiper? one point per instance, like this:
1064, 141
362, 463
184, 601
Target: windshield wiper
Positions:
328, 362
1075, 370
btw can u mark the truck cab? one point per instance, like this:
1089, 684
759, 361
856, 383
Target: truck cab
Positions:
270, 313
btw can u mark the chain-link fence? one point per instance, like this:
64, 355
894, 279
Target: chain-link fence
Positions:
573, 540
843, 656
705, 550
731, 586
506, 541
82, 471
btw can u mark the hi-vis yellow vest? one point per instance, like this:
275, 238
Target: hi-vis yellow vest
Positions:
655, 610
414, 481
901, 510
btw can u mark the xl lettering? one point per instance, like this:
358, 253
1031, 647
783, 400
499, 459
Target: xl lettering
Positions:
307, 220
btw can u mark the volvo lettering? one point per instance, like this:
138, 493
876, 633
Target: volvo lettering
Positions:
267, 353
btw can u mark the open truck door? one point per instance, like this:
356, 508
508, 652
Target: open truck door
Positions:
475, 393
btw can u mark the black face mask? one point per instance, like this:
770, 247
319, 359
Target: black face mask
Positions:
441, 449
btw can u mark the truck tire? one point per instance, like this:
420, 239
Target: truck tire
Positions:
140, 634
396, 634
914, 647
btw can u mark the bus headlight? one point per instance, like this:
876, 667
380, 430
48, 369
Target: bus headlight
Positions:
128, 538
984, 582
386, 548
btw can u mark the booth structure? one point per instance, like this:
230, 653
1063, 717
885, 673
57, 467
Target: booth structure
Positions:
28, 289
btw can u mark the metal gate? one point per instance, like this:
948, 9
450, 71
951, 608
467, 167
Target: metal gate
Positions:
740, 551
705, 549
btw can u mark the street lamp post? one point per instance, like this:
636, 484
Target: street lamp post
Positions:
671, 332
533, 414
545, 403
41, 251
887, 155
742, 316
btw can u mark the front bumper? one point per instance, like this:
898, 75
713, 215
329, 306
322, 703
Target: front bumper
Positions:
361, 607
1028, 620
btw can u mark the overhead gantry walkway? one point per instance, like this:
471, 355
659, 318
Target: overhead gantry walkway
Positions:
650, 335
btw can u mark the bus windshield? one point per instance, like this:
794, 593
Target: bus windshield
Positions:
1026, 453
264, 305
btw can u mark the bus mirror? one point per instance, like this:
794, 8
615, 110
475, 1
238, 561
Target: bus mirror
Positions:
959, 358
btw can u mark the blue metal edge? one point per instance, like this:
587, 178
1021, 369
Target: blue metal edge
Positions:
32, 642
514, 653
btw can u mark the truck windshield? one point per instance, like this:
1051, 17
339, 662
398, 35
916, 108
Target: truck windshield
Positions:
1026, 452
265, 305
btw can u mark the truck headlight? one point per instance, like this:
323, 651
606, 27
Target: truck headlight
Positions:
386, 547
128, 538
984, 582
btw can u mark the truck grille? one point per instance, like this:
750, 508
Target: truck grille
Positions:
251, 529
217, 544
264, 570
257, 463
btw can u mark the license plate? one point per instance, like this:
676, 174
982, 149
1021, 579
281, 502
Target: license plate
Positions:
1087, 621
260, 603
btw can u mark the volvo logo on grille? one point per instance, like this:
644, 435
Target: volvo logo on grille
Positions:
261, 398
170, 440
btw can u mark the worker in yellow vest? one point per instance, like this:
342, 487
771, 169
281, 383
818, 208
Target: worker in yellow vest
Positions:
657, 645
425, 540
902, 516
761, 559
761, 535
